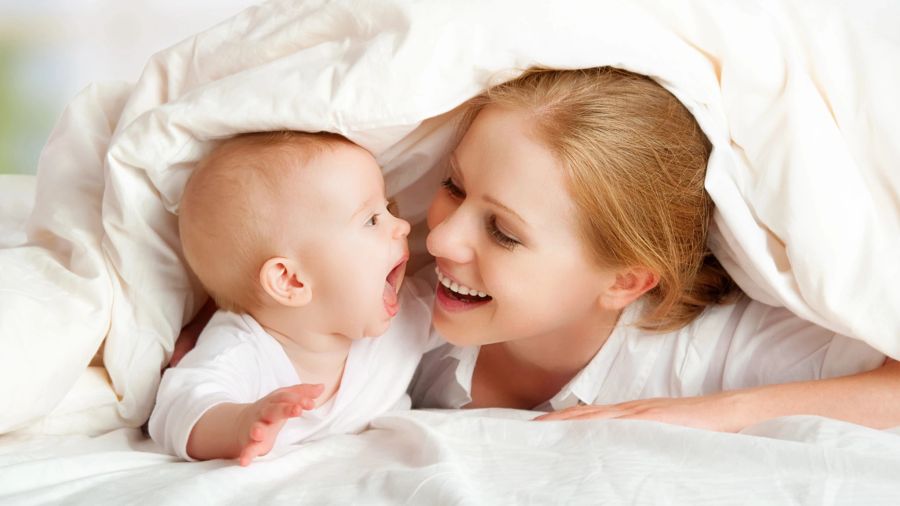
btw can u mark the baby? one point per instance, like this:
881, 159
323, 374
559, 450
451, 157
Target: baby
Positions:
291, 235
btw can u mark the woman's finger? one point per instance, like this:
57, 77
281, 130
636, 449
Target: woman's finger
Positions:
584, 413
565, 414
599, 415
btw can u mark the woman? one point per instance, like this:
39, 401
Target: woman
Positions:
573, 274
570, 246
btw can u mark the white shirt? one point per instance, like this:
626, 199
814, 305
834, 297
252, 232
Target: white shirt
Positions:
236, 361
740, 345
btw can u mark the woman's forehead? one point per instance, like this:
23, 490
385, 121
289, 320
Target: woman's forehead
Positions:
501, 160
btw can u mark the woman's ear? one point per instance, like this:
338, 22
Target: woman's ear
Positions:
629, 285
283, 280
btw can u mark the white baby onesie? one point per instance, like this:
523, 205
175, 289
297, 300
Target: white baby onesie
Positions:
237, 361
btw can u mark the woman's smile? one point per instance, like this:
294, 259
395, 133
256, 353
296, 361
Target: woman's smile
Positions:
454, 296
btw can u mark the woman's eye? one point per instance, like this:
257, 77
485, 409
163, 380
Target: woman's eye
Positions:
373, 220
392, 207
498, 236
454, 190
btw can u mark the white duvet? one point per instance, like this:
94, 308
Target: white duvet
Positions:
799, 99
477, 457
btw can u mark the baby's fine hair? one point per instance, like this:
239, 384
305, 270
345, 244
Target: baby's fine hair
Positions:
635, 161
227, 223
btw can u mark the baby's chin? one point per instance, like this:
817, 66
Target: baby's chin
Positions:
377, 329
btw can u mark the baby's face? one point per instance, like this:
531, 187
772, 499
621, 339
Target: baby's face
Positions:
353, 250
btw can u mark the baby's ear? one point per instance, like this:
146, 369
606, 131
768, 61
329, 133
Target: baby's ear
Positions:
283, 280
630, 283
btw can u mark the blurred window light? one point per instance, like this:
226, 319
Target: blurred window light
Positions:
52, 49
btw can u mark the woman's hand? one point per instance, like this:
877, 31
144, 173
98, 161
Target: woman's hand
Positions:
721, 412
870, 398
187, 339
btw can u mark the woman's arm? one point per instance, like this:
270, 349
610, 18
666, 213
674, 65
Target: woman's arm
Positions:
870, 398
187, 339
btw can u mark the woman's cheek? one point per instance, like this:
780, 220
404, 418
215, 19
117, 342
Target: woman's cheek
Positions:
441, 207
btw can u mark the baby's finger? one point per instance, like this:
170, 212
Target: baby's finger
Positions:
306, 390
250, 452
279, 411
298, 393
258, 431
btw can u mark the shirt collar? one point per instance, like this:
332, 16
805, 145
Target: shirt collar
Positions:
592, 382
628, 349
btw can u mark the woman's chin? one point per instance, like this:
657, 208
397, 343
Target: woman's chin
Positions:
456, 332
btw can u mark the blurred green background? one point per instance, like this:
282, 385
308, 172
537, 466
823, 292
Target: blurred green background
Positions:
51, 49
29, 104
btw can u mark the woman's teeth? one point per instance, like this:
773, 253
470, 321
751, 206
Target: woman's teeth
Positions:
458, 288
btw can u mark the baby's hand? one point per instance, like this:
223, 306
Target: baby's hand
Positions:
260, 422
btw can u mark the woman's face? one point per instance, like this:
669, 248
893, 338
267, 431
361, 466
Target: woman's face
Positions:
504, 230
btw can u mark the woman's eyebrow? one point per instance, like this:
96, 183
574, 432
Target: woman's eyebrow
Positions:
454, 167
492, 200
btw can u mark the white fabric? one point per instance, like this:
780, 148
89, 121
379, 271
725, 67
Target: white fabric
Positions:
237, 361
741, 345
491, 457
797, 97
89, 406
16, 201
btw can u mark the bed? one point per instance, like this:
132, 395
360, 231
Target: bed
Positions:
797, 97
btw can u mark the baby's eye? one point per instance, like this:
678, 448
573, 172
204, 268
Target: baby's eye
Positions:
452, 188
373, 220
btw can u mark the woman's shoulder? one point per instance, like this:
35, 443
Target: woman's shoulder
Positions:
746, 317
740, 316
715, 326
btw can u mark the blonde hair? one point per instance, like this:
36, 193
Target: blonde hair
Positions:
636, 162
228, 224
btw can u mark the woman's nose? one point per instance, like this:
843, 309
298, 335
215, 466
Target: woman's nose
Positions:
448, 239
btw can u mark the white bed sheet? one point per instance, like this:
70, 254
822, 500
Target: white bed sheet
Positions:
477, 457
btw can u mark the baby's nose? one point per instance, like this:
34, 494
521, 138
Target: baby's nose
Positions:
401, 228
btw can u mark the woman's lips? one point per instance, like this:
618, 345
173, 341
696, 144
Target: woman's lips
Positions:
452, 302
464, 292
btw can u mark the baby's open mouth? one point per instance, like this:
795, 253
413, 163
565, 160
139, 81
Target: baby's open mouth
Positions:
392, 287
395, 277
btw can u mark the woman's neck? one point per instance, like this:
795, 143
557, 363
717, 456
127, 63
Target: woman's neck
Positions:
564, 352
525, 373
